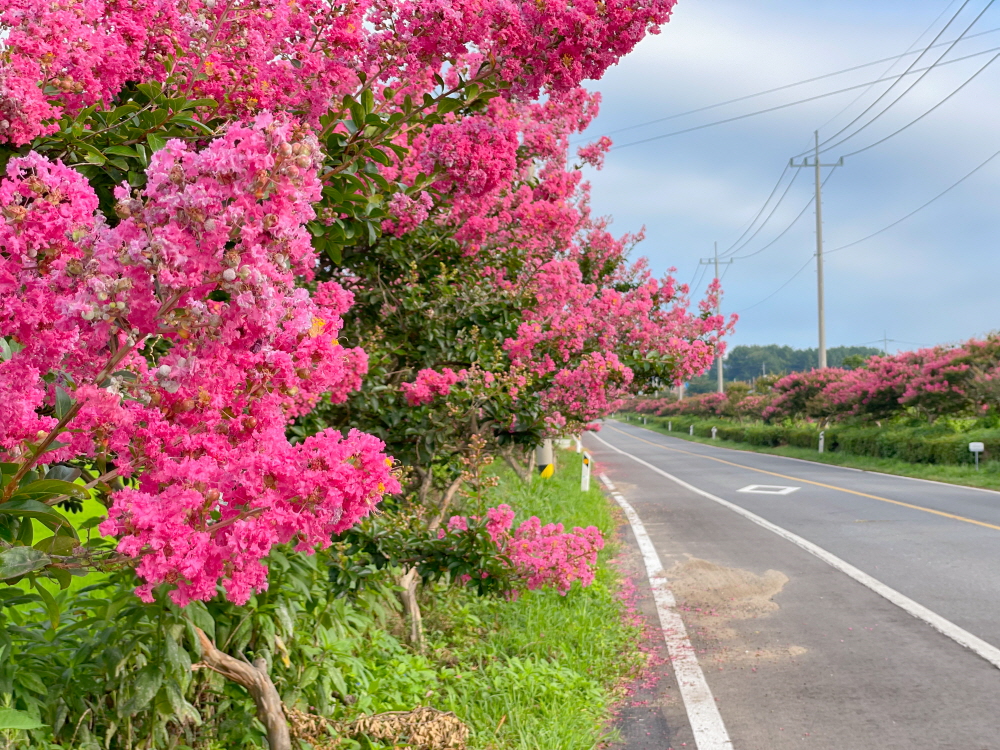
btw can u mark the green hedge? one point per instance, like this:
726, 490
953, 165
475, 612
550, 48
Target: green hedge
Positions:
919, 445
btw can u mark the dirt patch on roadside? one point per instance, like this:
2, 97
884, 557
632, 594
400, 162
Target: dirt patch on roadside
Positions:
711, 598
730, 593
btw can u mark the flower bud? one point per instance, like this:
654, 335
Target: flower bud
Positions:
163, 371
286, 149
229, 274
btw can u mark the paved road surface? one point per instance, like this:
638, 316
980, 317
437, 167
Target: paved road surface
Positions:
795, 652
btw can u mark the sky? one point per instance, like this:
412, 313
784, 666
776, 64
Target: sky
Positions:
930, 280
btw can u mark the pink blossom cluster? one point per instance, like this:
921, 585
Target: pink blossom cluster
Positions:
959, 380
430, 384
515, 203
300, 57
541, 555
186, 346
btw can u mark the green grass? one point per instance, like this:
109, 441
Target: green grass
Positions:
541, 671
987, 477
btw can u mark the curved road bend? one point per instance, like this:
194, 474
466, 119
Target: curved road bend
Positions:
796, 652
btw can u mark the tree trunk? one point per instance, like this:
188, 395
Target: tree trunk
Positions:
523, 472
449, 495
411, 607
255, 679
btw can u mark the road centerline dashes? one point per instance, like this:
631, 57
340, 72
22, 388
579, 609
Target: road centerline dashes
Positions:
911, 506
944, 626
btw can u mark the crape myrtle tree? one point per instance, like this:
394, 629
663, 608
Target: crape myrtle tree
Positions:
496, 311
174, 171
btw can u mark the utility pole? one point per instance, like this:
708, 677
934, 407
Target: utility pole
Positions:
819, 244
718, 308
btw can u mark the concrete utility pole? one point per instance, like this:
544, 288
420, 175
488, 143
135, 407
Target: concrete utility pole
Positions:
819, 244
718, 308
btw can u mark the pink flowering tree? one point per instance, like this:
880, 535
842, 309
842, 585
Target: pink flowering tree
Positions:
161, 358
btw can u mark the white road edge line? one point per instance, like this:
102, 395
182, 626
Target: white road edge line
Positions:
961, 636
706, 722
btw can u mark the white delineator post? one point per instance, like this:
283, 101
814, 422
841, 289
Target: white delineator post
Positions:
691, 431
822, 440
977, 448
579, 444
714, 430
585, 474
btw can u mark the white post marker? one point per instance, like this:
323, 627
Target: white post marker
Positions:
706, 722
714, 430
579, 444
585, 475
822, 439
691, 431
670, 426
644, 420
977, 448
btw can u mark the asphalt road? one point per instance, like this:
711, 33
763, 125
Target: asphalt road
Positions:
795, 652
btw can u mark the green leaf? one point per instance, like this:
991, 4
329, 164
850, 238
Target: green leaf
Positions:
63, 402
147, 683
200, 617
122, 151
19, 561
28, 508
11, 718
51, 605
156, 142
150, 90
90, 153
64, 577
60, 544
44, 489
91, 523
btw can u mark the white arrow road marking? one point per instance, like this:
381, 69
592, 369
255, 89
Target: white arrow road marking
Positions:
706, 722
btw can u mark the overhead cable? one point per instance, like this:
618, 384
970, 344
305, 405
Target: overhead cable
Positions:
904, 93
909, 51
921, 208
762, 209
909, 69
784, 231
784, 87
769, 216
793, 277
914, 122
795, 103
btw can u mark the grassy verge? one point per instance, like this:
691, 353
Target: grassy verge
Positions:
545, 668
540, 671
987, 477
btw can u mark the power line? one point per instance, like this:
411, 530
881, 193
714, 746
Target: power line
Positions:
793, 223
769, 217
914, 122
905, 72
762, 208
792, 104
784, 87
921, 208
790, 280
910, 88
909, 50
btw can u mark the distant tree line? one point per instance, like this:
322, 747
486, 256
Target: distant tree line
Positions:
746, 363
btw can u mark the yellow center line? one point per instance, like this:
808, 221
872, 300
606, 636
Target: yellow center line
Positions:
817, 484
